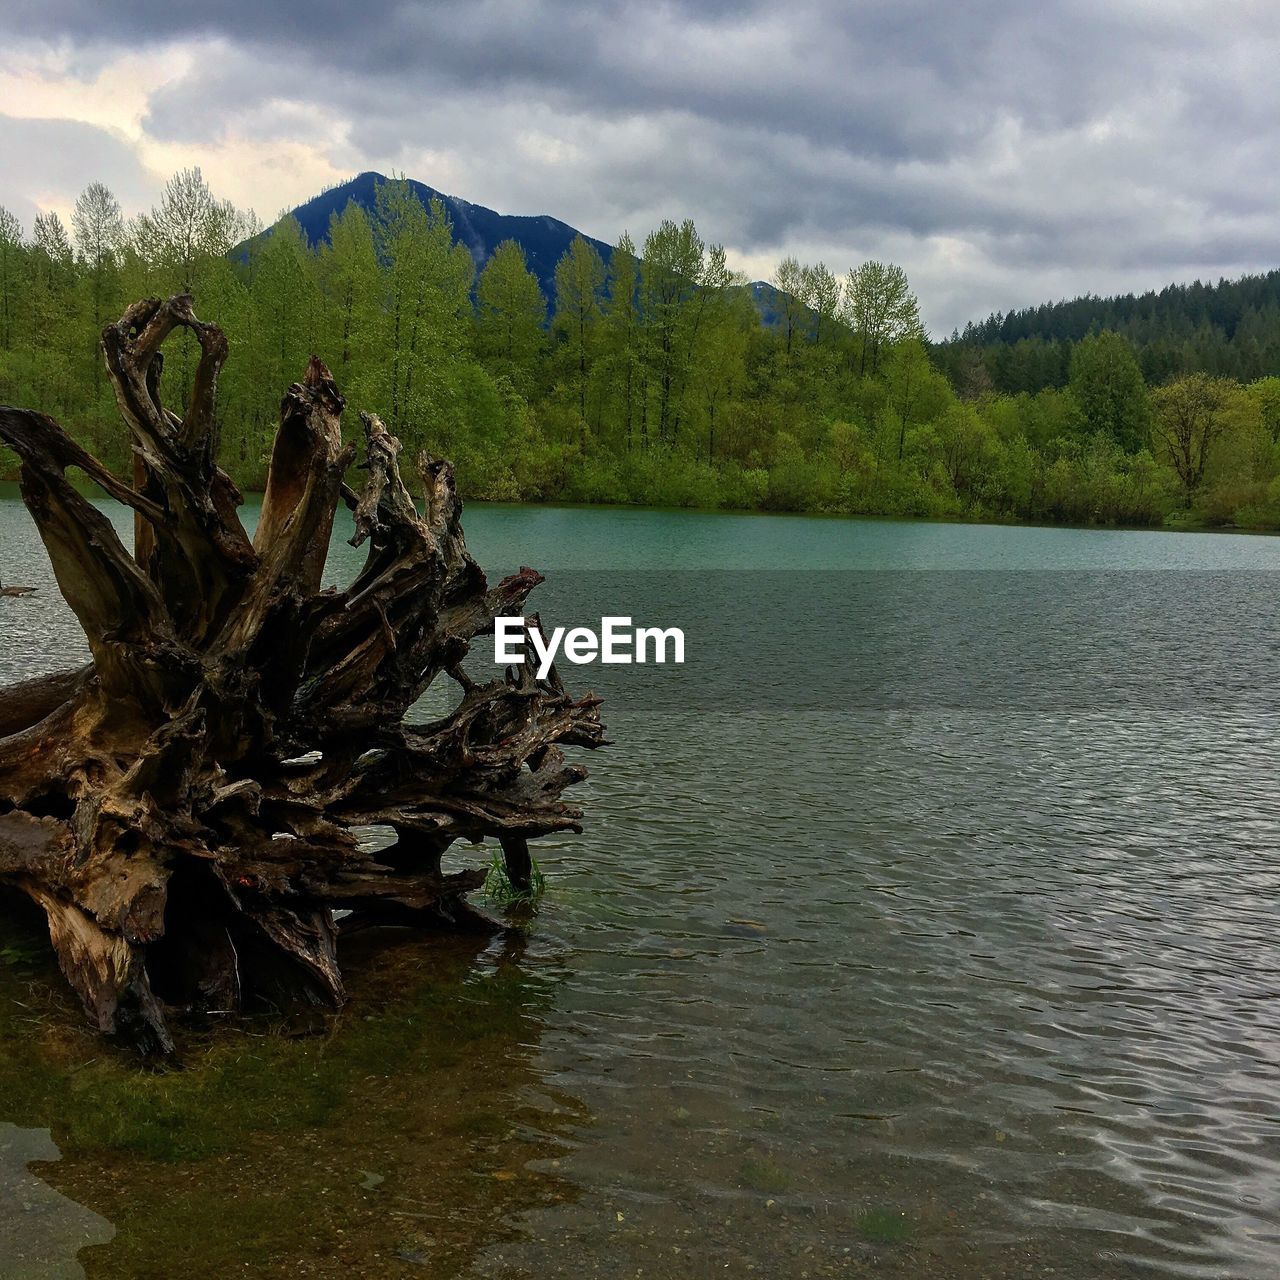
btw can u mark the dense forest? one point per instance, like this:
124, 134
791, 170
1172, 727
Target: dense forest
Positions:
654, 380
1230, 329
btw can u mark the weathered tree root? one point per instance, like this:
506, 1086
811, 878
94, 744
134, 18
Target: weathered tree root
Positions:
184, 807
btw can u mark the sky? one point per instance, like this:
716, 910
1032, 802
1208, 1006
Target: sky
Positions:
1004, 153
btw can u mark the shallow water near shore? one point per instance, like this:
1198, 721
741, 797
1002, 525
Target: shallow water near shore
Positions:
926, 923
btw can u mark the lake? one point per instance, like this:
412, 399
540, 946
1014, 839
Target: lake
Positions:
926, 923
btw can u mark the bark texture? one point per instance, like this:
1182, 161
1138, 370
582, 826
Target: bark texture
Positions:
185, 807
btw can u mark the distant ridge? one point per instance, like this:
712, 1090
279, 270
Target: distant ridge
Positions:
1177, 310
543, 239
1228, 329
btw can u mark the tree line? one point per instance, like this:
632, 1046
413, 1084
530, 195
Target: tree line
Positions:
1229, 329
651, 379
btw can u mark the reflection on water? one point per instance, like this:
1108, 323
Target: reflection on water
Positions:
40, 1230
922, 989
406, 1133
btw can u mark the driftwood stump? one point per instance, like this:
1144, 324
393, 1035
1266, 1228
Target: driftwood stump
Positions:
184, 808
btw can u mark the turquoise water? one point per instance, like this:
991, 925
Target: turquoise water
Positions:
925, 924
631, 538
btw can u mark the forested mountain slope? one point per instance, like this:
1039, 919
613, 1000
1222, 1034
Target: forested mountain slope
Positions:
1229, 329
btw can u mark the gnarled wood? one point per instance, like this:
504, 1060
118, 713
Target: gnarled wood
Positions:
186, 808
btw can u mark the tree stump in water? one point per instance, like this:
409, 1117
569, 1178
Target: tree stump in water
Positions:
184, 807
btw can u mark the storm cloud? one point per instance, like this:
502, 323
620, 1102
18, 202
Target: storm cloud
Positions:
1003, 153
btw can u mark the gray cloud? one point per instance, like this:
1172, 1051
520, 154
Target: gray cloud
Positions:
51, 161
996, 149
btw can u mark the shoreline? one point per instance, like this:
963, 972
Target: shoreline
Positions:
985, 521
11, 483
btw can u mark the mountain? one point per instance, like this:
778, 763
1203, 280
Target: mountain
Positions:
768, 300
543, 239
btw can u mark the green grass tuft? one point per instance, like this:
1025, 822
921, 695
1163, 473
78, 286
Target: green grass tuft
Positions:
884, 1226
499, 890
760, 1173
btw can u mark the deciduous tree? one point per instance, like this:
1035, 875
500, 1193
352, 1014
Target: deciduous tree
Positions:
879, 309
580, 276
1107, 385
1187, 421
510, 315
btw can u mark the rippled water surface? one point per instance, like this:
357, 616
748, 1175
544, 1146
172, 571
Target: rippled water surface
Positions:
927, 923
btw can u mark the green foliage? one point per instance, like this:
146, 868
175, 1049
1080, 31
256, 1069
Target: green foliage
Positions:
1109, 391
884, 1226
499, 890
760, 1173
1189, 417
509, 316
1229, 329
653, 381
245, 1084
880, 310
577, 325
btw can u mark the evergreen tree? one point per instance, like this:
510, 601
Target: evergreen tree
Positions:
720, 373
98, 227
51, 302
286, 301
425, 326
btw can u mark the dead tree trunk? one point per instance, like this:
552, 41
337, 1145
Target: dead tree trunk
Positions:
184, 807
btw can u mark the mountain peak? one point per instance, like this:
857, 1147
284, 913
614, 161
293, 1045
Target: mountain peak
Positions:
543, 238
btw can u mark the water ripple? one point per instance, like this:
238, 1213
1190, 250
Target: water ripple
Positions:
940, 989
